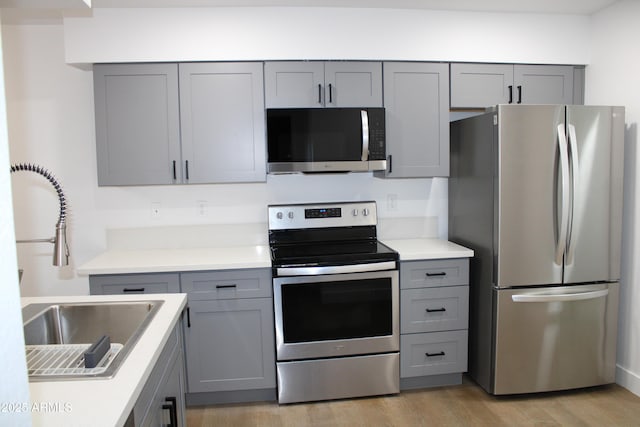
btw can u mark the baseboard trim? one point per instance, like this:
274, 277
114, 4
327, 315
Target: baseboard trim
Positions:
627, 379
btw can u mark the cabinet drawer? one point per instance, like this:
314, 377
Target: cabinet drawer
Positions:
441, 272
227, 284
113, 284
433, 353
434, 309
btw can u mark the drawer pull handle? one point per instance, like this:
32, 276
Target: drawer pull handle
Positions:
435, 310
442, 273
440, 353
226, 286
171, 405
133, 290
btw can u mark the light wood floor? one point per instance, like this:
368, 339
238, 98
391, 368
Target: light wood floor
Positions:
463, 405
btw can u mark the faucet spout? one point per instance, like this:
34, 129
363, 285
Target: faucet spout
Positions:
60, 248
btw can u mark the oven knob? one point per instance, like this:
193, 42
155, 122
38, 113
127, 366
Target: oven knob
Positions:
290, 215
355, 212
365, 212
279, 215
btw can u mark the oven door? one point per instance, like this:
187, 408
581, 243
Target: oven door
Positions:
336, 315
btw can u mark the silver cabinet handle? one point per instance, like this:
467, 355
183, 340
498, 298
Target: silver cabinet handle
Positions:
365, 135
564, 206
578, 296
575, 175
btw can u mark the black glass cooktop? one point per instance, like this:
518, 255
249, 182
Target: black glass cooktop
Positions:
331, 253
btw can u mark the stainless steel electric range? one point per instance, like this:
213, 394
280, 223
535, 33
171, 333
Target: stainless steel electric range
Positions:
336, 301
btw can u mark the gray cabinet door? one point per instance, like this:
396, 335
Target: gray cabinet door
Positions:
481, 85
543, 84
416, 97
294, 84
353, 84
230, 345
137, 127
222, 122
300, 84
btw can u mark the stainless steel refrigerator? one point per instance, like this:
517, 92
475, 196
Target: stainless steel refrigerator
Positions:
536, 192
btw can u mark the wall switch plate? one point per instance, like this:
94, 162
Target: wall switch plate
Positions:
155, 209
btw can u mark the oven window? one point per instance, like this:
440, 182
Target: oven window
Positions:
337, 310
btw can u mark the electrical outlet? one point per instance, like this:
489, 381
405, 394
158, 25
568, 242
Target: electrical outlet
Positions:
155, 209
392, 202
201, 206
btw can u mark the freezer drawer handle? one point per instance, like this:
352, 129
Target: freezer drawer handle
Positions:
578, 296
226, 286
440, 353
435, 310
442, 273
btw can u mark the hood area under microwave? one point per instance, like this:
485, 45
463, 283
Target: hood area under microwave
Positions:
316, 140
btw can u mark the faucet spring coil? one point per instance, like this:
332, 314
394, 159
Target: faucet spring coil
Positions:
49, 176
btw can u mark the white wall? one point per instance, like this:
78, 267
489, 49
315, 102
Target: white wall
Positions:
14, 386
113, 35
612, 78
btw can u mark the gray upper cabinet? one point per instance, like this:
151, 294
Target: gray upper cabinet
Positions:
302, 84
483, 85
137, 125
416, 97
543, 84
222, 122
179, 123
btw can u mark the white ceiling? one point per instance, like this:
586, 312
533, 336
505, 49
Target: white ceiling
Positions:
583, 7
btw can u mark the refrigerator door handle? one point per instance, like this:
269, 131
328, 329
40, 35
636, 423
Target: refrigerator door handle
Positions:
578, 296
575, 173
563, 219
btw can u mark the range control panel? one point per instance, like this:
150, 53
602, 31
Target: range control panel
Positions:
322, 215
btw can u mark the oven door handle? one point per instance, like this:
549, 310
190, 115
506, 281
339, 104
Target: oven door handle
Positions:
335, 269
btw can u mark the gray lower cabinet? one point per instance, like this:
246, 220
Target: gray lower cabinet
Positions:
179, 123
416, 100
317, 84
228, 327
434, 318
229, 336
162, 399
482, 85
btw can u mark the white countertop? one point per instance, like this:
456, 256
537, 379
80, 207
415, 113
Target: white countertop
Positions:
416, 249
200, 259
105, 402
166, 260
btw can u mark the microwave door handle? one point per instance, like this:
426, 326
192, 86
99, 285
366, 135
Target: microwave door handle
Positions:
364, 116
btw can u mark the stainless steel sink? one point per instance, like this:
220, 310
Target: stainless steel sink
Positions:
57, 335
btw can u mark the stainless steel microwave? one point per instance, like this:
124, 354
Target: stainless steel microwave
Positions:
326, 140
